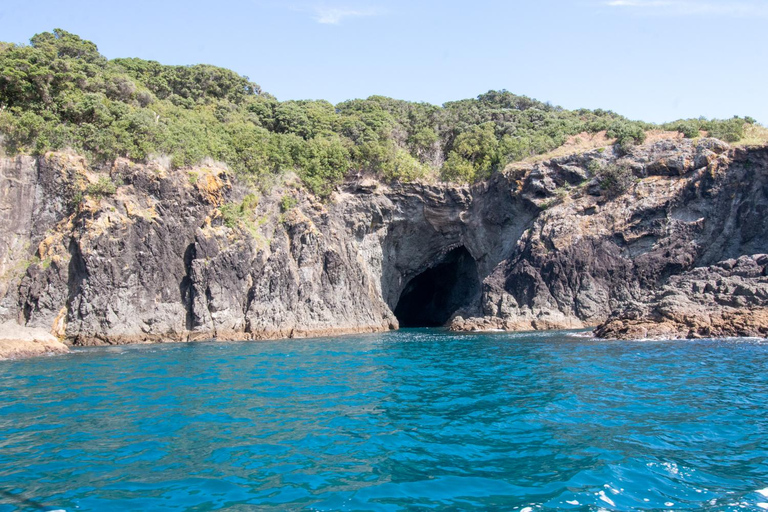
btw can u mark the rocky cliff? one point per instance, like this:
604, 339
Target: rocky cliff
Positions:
597, 248
726, 299
138, 253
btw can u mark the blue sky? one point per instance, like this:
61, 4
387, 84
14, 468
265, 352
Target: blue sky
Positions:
655, 60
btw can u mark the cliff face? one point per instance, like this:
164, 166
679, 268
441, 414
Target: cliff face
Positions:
176, 255
592, 251
726, 299
155, 260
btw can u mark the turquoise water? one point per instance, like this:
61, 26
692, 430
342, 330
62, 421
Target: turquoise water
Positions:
410, 420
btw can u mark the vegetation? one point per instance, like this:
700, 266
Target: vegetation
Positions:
729, 130
102, 188
60, 92
614, 179
234, 214
287, 203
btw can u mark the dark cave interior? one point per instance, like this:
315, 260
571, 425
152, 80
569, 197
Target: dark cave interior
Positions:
432, 297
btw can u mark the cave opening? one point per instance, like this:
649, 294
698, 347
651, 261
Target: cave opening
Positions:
432, 297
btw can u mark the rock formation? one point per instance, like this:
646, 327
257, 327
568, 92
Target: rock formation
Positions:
726, 299
18, 342
141, 253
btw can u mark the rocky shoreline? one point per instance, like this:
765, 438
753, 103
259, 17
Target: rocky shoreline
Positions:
661, 240
729, 299
17, 342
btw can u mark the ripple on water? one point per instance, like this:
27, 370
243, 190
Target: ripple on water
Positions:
415, 419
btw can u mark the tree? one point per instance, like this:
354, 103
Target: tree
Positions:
475, 154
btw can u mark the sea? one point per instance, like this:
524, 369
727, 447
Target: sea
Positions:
418, 419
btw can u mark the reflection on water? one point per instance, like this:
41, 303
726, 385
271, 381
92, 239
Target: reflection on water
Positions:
417, 419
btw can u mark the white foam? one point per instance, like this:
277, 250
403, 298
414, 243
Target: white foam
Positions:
526, 509
573, 502
764, 492
669, 504
586, 334
606, 499
763, 506
671, 467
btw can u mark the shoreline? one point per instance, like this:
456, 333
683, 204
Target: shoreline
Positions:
32, 343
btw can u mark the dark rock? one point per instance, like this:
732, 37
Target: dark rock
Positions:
726, 299
158, 260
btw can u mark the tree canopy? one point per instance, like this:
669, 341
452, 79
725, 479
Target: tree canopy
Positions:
60, 92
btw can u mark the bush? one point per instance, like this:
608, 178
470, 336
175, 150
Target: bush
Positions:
731, 130
323, 163
60, 92
234, 214
626, 133
475, 155
401, 166
287, 203
614, 180
102, 188
689, 129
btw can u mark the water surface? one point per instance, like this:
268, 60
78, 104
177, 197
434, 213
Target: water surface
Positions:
410, 420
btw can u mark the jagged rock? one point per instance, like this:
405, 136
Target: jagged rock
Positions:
726, 299
164, 258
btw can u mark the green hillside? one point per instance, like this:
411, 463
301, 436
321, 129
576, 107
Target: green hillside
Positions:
60, 92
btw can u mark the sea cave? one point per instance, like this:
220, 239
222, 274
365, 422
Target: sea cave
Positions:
432, 297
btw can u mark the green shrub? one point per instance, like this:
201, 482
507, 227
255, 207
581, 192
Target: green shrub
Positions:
475, 155
614, 179
322, 163
102, 188
626, 133
689, 129
401, 166
731, 130
60, 92
250, 202
287, 203
238, 214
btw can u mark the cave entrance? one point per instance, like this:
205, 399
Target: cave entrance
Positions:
432, 297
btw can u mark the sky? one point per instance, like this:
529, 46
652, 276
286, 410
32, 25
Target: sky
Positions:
653, 60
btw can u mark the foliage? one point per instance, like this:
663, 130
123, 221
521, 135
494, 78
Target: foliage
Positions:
729, 130
626, 134
103, 187
287, 203
614, 179
475, 154
234, 214
60, 92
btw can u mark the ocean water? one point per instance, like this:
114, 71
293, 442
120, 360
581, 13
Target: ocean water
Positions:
409, 420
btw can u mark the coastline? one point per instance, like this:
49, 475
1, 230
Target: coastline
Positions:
28, 343
17, 342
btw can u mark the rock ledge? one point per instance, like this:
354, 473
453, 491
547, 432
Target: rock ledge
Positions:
18, 342
728, 299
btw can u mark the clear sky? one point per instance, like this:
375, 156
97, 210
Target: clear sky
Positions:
655, 60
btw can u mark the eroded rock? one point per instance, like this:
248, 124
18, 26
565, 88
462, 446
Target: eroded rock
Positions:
18, 342
180, 255
726, 299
